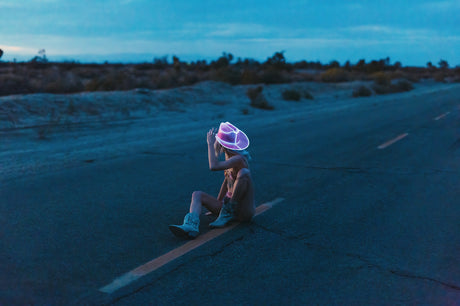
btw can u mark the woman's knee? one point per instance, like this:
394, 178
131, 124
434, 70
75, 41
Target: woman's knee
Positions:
196, 195
243, 173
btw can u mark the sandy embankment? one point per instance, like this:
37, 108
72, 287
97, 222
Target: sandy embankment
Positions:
45, 132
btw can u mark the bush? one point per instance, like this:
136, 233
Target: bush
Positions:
272, 76
381, 78
308, 95
258, 100
400, 86
227, 75
439, 77
14, 84
249, 77
253, 92
291, 95
63, 83
262, 103
382, 90
116, 80
403, 85
334, 75
362, 91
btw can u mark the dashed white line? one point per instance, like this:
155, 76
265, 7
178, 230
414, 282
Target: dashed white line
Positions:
441, 116
392, 141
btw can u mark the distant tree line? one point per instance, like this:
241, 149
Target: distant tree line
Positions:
42, 75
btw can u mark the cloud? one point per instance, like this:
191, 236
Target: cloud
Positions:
392, 32
23, 3
17, 49
10, 4
221, 31
238, 30
441, 5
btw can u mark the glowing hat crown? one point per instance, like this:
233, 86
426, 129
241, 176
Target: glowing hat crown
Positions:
230, 137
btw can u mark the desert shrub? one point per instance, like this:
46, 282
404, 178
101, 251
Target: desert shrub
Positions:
258, 100
382, 90
68, 65
11, 84
272, 76
362, 91
190, 79
117, 80
381, 78
307, 95
167, 79
249, 77
262, 103
67, 83
403, 85
306, 77
400, 86
92, 85
291, 95
227, 75
414, 77
334, 75
61, 86
253, 92
439, 76
277, 61
144, 66
87, 72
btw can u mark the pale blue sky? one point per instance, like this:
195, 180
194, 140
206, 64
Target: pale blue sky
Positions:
411, 31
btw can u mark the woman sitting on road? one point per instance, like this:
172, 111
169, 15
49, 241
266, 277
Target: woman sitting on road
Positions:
236, 197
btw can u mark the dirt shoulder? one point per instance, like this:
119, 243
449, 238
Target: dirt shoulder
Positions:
46, 132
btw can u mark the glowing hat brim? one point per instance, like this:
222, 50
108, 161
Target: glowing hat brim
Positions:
241, 139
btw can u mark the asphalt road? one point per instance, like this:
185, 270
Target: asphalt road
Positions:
358, 224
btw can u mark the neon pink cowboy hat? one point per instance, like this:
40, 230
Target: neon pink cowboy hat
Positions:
230, 137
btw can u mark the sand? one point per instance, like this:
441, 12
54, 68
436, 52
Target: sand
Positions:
47, 132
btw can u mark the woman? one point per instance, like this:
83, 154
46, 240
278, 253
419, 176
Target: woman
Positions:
236, 197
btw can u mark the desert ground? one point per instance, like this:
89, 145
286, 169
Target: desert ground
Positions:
90, 181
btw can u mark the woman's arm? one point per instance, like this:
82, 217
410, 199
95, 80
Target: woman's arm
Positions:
214, 163
212, 158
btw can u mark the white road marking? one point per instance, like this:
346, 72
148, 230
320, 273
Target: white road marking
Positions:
390, 142
441, 116
158, 262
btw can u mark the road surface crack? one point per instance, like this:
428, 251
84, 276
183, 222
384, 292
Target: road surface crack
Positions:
368, 170
359, 257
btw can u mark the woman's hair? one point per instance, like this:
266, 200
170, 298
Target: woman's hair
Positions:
221, 149
244, 153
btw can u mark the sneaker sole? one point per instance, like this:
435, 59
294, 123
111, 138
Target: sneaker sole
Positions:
179, 232
221, 225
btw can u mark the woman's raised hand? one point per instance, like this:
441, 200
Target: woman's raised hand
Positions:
211, 136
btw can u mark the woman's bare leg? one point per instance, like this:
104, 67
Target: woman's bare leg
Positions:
241, 185
199, 199
243, 196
